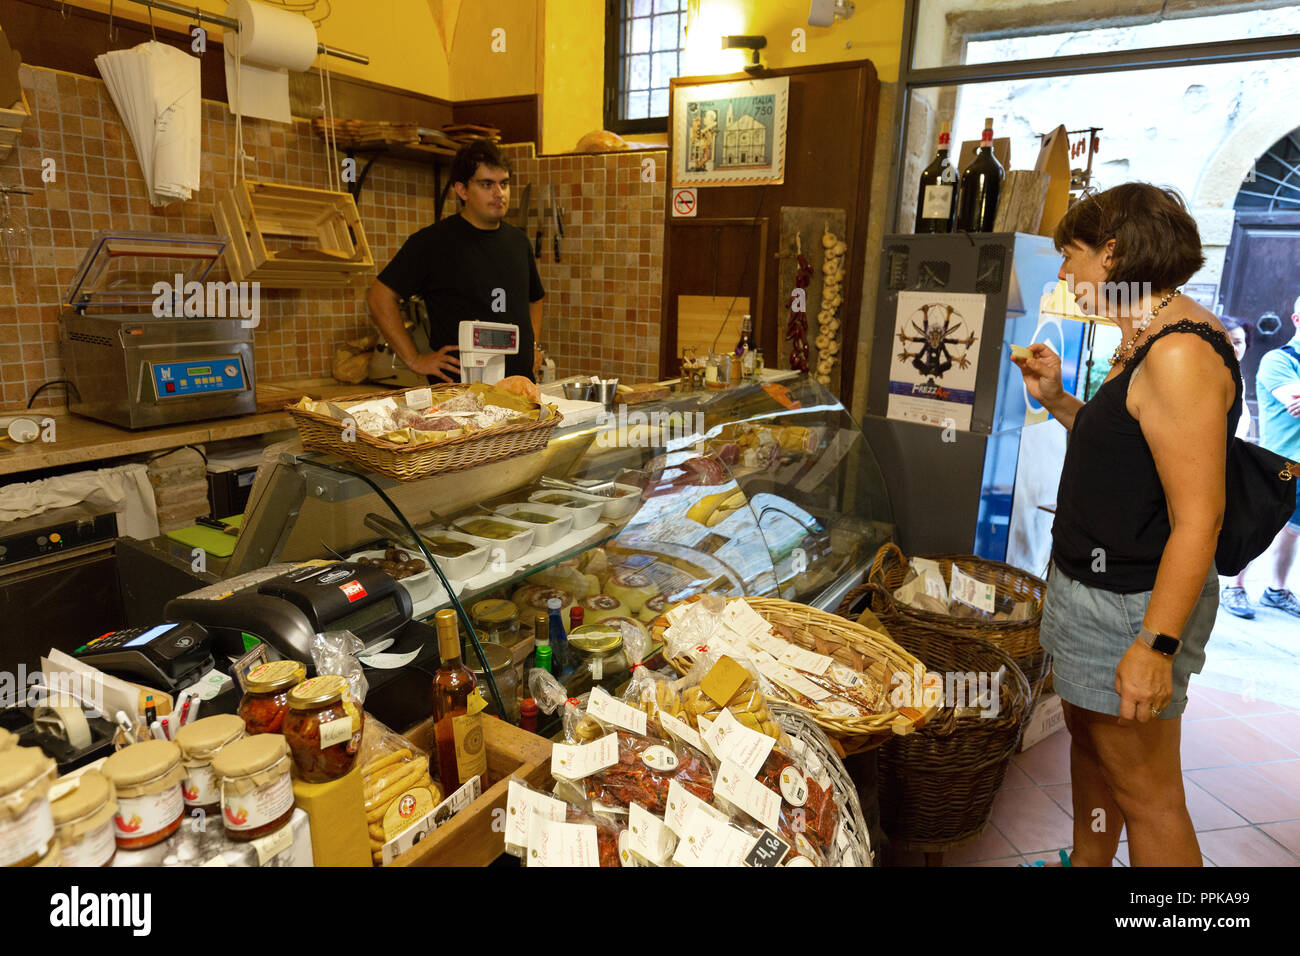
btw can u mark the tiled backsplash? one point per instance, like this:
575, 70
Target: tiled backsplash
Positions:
603, 297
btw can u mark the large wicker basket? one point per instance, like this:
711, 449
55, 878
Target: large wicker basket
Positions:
1018, 638
856, 646
413, 462
852, 838
937, 785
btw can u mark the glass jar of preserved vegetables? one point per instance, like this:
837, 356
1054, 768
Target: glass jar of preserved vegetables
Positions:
199, 743
497, 621
256, 788
26, 823
147, 777
266, 695
323, 728
84, 807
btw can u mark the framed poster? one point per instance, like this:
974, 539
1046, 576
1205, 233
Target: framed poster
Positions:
932, 375
730, 134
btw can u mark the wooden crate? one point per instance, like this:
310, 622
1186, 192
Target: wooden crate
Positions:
475, 836
329, 248
12, 121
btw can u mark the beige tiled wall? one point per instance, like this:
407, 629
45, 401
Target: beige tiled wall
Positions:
602, 312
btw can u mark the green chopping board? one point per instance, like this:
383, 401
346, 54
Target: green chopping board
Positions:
214, 542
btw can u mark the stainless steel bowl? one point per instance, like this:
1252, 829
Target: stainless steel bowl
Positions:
578, 391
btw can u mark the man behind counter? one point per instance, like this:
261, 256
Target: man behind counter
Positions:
470, 266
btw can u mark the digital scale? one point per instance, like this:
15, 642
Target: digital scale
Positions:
166, 656
178, 350
483, 350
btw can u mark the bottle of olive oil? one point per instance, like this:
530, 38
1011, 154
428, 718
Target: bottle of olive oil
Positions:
457, 717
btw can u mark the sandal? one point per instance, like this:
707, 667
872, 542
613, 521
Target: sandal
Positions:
1065, 860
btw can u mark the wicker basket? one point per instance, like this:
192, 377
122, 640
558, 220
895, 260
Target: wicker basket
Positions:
937, 785
413, 462
852, 838
856, 646
1018, 638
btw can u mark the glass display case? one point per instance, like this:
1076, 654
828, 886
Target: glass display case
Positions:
761, 489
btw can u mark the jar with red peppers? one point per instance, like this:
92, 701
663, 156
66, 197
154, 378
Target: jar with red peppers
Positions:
150, 806
266, 695
323, 728
199, 743
256, 789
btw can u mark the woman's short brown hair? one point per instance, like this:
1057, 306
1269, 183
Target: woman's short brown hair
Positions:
1156, 239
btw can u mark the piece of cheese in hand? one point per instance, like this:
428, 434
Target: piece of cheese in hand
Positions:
1019, 351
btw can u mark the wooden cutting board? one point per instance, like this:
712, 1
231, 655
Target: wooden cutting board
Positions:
1054, 159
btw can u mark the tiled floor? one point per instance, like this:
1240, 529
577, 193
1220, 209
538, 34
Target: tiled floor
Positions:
1241, 766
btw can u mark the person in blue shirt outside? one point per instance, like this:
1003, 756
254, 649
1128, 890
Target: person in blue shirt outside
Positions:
1277, 394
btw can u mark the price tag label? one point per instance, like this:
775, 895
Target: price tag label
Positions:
806, 660
551, 843
521, 805
681, 730
768, 850
605, 708
972, 593
731, 740
708, 841
748, 794
680, 804
273, 844
649, 837
335, 732
575, 762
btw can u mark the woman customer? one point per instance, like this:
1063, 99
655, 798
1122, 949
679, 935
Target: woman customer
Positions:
1233, 598
1132, 591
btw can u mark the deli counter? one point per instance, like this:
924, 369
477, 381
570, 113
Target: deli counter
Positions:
763, 489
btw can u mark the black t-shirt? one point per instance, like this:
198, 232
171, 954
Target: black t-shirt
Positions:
463, 272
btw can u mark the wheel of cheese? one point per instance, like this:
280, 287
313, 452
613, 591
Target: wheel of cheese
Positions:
631, 587
653, 608
598, 607
532, 598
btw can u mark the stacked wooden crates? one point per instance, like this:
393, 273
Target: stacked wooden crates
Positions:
293, 237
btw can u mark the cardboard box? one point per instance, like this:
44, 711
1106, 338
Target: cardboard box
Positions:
476, 835
1048, 718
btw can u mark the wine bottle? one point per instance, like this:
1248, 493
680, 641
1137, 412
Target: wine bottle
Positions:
457, 733
936, 206
560, 657
981, 182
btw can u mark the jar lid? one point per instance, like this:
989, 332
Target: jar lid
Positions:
599, 638
274, 675
79, 796
320, 690
203, 738
250, 755
141, 763
498, 657
495, 611
20, 766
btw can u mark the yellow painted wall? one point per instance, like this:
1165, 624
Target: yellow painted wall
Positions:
573, 72
874, 32
480, 72
399, 36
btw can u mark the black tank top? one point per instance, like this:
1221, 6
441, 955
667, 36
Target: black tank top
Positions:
1112, 521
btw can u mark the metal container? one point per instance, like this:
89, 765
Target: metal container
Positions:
155, 362
605, 391
578, 391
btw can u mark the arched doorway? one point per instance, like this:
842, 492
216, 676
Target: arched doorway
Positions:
1261, 268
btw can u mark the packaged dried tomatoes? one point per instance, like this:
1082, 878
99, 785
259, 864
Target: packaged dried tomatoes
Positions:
646, 767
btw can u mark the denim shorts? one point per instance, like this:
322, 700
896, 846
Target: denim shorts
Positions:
1087, 630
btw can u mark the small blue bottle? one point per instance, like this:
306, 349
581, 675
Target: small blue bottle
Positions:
561, 662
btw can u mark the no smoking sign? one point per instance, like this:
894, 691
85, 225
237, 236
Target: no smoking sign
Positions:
685, 202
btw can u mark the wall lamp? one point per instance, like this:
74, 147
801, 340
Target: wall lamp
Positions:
744, 42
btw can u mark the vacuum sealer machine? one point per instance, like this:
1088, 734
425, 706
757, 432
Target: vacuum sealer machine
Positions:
176, 349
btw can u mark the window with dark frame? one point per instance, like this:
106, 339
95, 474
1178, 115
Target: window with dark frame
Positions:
645, 41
